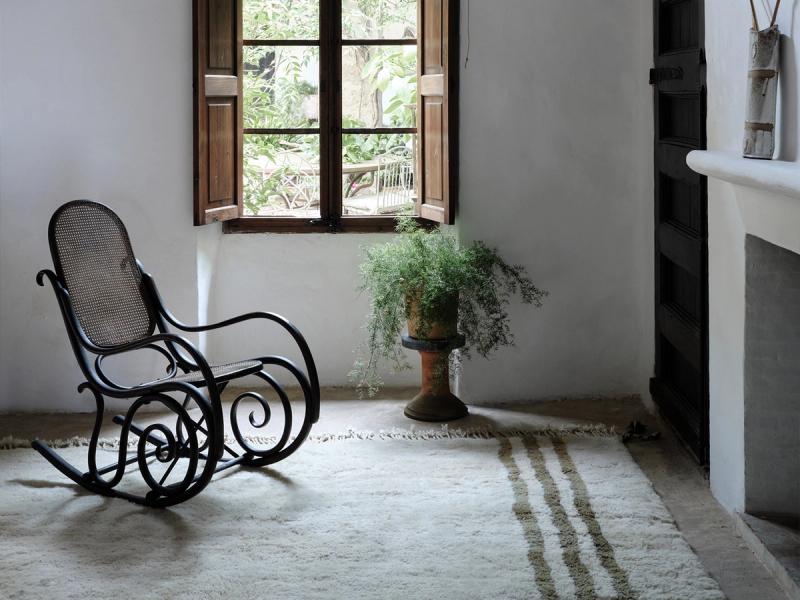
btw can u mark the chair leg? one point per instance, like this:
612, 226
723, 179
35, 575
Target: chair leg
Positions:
282, 448
82, 479
138, 430
60, 464
156, 443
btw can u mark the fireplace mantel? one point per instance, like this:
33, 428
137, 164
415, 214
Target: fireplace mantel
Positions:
766, 193
775, 176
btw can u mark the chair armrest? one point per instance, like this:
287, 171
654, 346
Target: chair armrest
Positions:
308, 359
150, 341
81, 343
177, 340
171, 370
311, 367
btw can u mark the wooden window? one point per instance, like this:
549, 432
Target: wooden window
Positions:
324, 115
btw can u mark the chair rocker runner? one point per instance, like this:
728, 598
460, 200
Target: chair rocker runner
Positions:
111, 307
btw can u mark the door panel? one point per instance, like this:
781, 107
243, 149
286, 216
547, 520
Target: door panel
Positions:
678, 27
677, 119
680, 385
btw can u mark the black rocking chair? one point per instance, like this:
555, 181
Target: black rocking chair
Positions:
111, 306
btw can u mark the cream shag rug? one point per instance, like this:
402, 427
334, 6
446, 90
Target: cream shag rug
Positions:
397, 516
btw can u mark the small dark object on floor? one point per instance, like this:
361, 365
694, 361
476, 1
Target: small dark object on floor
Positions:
638, 431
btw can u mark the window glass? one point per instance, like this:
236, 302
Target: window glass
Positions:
379, 86
281, 19
283, 61
281, 175
281, 87
379, 19
378, 174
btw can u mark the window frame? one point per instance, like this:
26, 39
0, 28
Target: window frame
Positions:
331, 44
218, 137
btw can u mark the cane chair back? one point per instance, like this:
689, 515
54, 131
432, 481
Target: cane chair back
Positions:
93, 258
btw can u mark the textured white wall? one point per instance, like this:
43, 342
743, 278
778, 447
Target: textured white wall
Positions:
555, 170
311, 279
94, 104
727, 28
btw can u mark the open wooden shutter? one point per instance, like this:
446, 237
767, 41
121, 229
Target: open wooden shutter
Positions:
437, 121
217, 110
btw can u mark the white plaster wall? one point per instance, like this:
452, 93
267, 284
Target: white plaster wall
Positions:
727, 26
95, 104
556, 139
310, 279
556, 170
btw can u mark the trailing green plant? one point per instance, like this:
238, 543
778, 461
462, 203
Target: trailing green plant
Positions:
433, 267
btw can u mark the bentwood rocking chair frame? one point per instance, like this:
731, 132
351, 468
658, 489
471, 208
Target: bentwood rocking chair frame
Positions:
110, 307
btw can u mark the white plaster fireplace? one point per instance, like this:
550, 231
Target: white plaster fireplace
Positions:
754, 338
764, 204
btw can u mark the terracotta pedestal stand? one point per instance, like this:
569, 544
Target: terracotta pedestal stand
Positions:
435, 402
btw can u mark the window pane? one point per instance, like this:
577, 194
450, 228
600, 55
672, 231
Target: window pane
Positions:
379, 19
281, 87
281, 19
378, 174
379, 86
281, 175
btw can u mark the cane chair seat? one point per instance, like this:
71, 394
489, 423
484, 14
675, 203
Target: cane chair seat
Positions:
222, 373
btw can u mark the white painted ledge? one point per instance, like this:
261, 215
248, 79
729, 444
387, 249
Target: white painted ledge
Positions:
776, 176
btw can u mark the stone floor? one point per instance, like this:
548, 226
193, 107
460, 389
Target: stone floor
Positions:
681, 484
777, 545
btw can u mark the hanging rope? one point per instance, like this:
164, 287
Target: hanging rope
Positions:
775, 13
755, 17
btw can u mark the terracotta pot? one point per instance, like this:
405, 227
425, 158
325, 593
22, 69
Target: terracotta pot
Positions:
444, 327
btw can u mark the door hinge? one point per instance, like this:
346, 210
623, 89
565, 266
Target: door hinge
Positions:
665, 74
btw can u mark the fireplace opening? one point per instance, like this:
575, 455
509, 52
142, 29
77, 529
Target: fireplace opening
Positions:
772, 383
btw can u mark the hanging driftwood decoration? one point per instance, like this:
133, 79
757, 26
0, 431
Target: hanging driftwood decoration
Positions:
762, 89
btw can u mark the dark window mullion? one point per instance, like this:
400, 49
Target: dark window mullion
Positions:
325, 86
281, 131
335, 107
281, 43
373, 130
380, 42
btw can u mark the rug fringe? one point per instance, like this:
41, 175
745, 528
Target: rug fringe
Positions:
444, 432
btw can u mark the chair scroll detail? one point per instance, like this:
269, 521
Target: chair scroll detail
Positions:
112, 308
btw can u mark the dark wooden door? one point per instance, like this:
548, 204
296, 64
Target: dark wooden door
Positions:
680, 384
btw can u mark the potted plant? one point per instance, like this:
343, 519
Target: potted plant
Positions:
448, 294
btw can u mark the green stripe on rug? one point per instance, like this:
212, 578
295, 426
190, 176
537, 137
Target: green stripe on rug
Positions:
584, 508
524, 513
584, 584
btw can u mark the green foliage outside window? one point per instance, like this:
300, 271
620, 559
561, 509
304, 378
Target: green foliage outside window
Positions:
281, 87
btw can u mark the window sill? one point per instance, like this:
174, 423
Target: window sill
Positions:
298, 225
